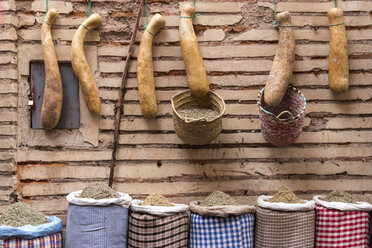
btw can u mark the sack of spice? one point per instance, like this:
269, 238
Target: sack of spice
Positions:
97, 217
341, 221
283, 220
156, 222
219, 221
22, 226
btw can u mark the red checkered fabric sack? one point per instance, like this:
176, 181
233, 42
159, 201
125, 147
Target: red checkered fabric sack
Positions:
50, 241
336, 228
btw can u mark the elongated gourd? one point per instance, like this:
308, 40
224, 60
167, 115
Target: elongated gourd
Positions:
145, 68
53, 93
338, 65
282, 68
196, 74
80, 64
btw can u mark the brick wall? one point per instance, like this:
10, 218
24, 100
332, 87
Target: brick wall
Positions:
8, 101
238, 43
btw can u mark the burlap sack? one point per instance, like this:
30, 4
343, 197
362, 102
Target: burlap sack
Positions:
275, 229
284, 225
153, 227
221, 211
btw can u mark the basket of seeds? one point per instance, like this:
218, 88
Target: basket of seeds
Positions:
22, 226
197, 120
341, 221
220, 221
156, 222
97, 217
283, 220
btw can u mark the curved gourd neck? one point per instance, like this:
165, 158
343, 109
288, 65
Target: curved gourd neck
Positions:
284, 18
157, 22
90, 23
49, 19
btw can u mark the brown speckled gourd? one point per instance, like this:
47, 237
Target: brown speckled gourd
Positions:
53, 93
80, 64
145, 68
196, 74
282, 68
338, 65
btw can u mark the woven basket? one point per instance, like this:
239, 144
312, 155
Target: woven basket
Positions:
197, 131
282, 125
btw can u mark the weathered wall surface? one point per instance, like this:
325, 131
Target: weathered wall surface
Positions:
8, 101
238, 43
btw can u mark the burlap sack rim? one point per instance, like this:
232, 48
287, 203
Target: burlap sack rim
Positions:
221, 211
342, 206
285, 207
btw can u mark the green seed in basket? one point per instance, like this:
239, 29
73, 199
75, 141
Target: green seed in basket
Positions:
339, 196
218, 198
98, 191
285, 195
197, 112
20, 214
155, 199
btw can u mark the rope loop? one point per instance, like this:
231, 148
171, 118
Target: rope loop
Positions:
275, 21
150, 32
337, 24
46, 21
89, 7
147, 17
46, 11
85, 27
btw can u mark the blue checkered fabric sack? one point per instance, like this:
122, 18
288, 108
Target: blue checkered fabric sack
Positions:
219, 232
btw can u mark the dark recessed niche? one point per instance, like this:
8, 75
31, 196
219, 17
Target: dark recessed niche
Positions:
70, 116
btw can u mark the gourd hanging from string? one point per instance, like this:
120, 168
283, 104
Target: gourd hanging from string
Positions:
195, 70
338, 65
283, 64
53, 93
80, 63
197, 113
145, 67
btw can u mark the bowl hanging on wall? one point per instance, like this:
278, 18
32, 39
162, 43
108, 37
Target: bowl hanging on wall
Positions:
197, 120
282, 125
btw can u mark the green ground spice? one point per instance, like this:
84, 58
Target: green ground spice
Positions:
20, 214
218, 198
156, 199
197, 112
339, 196
284, 195
98, 191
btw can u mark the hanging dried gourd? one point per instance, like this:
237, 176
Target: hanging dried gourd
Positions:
145, 68
80, 63
282, 68
196, 74
53, 93
338, 65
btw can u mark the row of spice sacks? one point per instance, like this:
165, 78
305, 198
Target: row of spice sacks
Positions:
100, 217
282, 108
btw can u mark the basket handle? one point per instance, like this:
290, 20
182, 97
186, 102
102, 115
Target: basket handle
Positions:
282, 113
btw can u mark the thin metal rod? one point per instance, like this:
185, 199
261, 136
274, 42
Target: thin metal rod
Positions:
119, 105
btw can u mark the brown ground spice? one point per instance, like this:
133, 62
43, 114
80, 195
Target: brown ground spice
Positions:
218, 198
20, 214
98, 191
197, 112
156, 199
339, 196
284, 195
